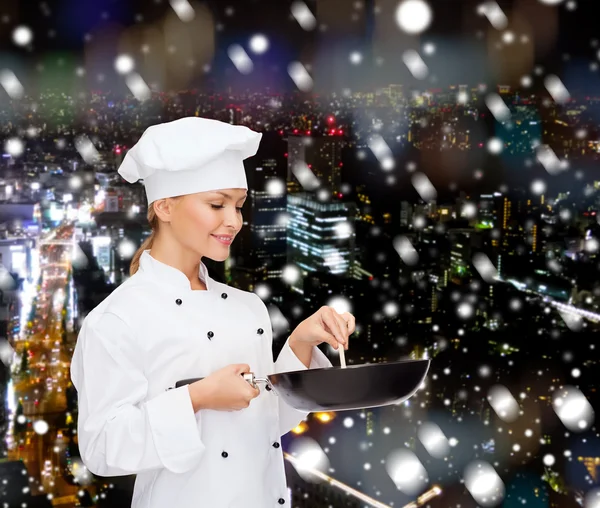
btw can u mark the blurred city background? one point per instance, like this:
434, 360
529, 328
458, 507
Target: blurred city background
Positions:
431, 167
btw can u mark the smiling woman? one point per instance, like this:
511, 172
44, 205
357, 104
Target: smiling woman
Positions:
192, 220
171, 321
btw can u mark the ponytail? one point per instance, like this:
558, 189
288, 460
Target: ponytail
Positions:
147, 243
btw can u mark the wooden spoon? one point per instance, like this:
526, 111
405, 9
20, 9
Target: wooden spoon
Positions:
342, 355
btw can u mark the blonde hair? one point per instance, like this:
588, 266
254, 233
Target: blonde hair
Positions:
147, 243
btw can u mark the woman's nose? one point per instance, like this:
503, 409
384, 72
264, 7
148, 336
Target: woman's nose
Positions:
233, 218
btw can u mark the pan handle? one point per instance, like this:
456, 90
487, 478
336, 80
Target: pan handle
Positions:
248, 376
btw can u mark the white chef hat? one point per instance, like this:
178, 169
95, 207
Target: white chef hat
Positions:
190, 155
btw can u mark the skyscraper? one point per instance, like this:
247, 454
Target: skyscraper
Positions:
322, 155
406, 212
320, 235
268, 228
260, 249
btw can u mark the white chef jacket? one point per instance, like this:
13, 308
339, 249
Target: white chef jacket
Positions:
152, 331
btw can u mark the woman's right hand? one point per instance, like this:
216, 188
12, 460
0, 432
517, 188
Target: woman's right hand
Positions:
223, 390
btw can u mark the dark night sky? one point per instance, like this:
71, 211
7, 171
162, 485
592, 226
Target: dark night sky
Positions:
73, 18
60, 25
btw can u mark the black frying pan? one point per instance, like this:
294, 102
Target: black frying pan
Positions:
339, 389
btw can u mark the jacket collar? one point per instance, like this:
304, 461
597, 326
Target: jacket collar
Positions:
170, 275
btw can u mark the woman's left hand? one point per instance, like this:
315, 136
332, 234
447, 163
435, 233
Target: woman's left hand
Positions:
325, 325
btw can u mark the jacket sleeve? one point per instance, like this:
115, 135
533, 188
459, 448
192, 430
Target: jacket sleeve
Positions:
119, 431
287, 361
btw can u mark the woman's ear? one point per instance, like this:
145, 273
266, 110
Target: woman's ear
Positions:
163, 209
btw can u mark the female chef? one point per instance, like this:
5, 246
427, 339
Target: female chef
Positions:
214, 443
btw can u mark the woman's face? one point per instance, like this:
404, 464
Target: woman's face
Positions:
207, 222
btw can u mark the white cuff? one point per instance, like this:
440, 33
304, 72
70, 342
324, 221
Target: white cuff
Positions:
287, 360
175, 429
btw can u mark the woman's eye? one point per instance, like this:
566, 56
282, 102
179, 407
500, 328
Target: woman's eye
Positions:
218, 207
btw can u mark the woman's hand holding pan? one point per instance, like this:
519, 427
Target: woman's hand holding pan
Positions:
223, 390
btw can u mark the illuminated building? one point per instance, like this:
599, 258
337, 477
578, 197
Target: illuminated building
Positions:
103, 252
506, 215
259, 251
406, 212
16, 256
320, 236
363, 201
460, 256
21, 216
322, 155
263, 247
445, 213
488, 215
394, 93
